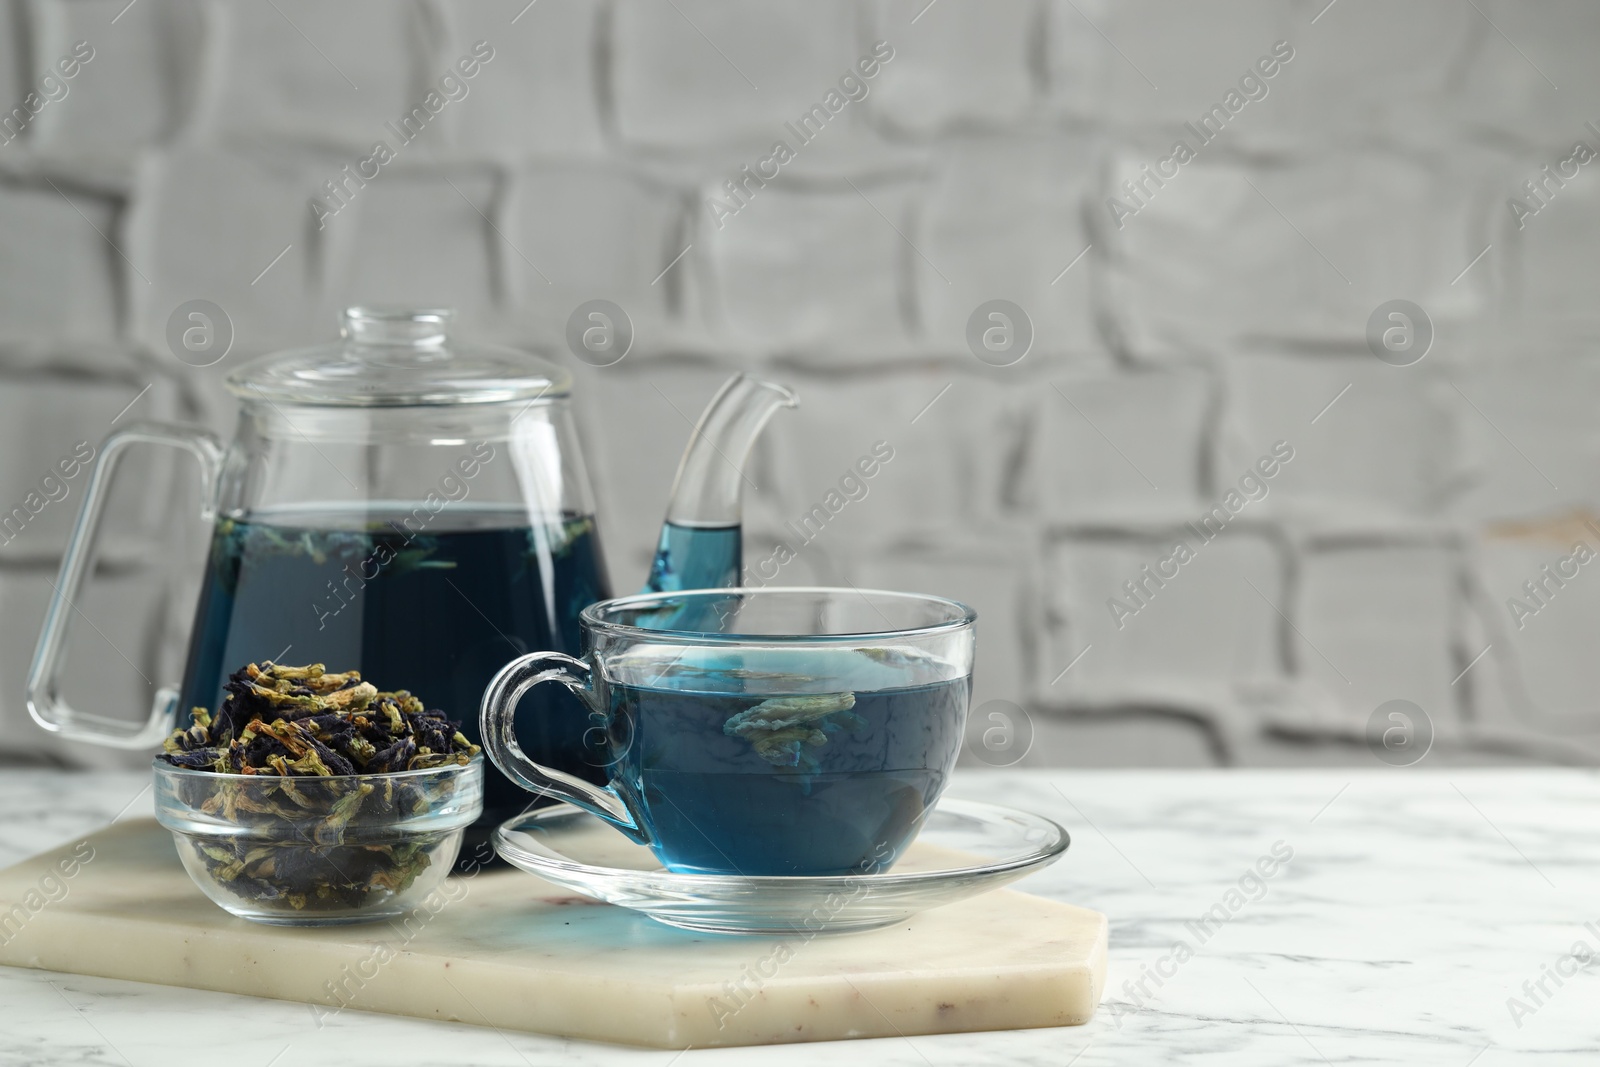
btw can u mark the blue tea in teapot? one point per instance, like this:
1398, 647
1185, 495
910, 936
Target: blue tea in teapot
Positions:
440, 612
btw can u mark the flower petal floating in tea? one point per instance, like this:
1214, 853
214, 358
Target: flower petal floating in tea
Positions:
312, 749
780, 729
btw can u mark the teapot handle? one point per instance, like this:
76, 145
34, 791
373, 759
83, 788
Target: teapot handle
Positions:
45, 702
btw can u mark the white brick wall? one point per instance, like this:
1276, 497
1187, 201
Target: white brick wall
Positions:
736, 72
1171, 348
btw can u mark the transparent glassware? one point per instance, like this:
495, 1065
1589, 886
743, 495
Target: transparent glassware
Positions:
409, 506
319, 851
758, 732
965, 848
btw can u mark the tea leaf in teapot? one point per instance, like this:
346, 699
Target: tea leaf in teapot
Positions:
404, 552
417, 558
571, 532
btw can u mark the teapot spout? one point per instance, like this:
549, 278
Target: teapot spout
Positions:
701, 541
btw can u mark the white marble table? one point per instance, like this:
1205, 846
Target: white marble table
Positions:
1412, 907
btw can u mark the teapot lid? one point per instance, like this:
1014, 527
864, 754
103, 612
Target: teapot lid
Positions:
398, 357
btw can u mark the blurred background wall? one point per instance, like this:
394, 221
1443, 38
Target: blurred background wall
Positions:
1176, 316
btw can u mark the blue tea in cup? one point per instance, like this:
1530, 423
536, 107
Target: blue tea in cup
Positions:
759, 731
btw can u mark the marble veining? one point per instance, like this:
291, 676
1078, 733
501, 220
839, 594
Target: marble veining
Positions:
1403, 912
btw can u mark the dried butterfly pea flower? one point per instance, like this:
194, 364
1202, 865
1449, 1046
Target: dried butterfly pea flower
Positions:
306, 721
314, 751
784, 729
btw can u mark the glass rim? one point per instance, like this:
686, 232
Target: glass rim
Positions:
163, 767
257, 399
594, 617
439, 397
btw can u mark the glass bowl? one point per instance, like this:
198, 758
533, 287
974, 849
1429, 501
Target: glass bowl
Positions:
318, 851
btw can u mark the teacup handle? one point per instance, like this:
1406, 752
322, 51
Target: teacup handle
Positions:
497, 721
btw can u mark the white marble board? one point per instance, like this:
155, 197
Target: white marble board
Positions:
506, 950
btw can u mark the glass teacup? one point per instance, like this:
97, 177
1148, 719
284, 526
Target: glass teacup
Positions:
759, 731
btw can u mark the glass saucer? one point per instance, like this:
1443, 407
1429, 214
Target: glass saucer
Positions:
965, 848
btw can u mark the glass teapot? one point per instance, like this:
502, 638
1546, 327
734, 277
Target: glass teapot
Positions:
415, 510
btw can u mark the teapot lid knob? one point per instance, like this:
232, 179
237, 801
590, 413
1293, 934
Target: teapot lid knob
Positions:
378, 325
